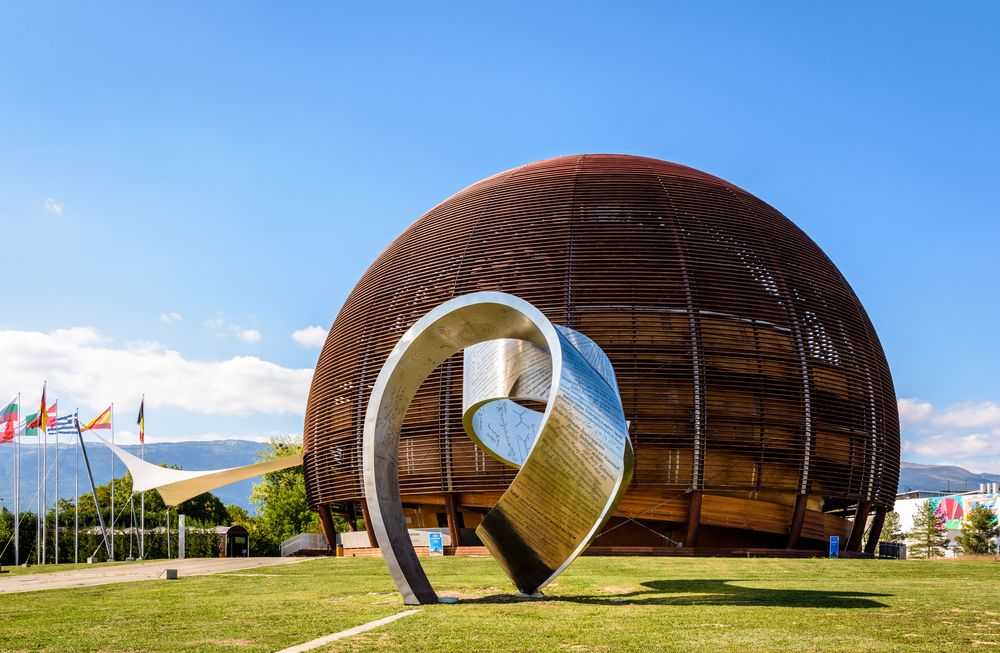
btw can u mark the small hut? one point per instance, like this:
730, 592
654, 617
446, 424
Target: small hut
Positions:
234, 541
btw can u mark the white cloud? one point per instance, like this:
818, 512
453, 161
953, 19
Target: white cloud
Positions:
220, 326
216, 323
54, 207
912, 411
311, 337
970, 415
966, 433
81, 365
171, 317
974, 444
249, 335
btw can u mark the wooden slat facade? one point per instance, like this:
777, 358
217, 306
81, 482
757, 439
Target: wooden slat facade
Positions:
749, 371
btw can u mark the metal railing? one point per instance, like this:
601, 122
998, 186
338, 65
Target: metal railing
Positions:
302, 542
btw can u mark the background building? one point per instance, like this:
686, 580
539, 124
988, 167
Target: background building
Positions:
952, 507
761, 406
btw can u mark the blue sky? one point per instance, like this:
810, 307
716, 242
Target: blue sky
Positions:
240, 165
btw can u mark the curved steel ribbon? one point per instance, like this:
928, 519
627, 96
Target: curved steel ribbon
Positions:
498, 374
572, 471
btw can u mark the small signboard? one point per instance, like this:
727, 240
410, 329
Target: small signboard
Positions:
435, 543
834, 546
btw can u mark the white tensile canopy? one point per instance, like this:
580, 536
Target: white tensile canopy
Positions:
177, 485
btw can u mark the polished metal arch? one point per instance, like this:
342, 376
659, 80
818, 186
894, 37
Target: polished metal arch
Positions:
571, 473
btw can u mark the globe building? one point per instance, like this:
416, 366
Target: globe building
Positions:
760, 405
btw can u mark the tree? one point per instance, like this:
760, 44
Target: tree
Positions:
205, 509
979, 531
892, 529
238, 514
928, 534
282, 508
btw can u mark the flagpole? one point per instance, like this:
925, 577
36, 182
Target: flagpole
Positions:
131, 523
45, 484
38, 494
93, 488
111, 451
13, 465
76, 502
56, 544
17, 486
142, 496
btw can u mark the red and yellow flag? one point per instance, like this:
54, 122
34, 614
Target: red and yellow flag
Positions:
101, 422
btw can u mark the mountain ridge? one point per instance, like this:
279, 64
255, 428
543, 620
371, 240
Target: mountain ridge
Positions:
214, 454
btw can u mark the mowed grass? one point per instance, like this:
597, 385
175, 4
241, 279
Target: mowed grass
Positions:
598, 604
21, 570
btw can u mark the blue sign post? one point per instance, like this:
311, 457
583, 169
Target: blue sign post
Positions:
435, 543
834, 546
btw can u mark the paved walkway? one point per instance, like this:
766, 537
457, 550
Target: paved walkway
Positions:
130, 572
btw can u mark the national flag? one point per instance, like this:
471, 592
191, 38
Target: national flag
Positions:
43, 424
101, 422
32, 424
142, 421
63, 425
8, 419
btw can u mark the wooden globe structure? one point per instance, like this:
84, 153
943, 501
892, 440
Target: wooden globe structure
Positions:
761, 406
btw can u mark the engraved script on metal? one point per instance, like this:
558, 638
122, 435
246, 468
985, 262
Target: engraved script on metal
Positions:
575, 457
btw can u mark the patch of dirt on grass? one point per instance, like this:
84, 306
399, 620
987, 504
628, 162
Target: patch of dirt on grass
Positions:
368, 641
618, 589
225, 642
583, 648
472, 594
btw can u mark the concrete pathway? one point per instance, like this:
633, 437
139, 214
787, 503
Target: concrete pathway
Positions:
344, 634
134, 571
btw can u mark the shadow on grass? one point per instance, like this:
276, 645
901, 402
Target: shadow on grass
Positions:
711, 592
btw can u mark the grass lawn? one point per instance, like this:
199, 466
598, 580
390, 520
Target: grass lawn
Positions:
599, 604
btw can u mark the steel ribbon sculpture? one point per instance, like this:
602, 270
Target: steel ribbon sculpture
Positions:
575, 457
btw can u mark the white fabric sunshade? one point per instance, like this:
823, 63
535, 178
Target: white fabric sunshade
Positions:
177, 485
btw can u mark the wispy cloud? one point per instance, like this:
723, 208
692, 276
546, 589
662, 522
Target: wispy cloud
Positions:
249, 335
912, 411
311, 337
966, 433
171, 317
53, 206
81, 365
220, 326
982, 414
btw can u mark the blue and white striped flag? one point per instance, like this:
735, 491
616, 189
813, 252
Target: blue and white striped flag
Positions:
64, 424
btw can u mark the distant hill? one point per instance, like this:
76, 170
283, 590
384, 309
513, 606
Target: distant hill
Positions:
913, 476
212, 454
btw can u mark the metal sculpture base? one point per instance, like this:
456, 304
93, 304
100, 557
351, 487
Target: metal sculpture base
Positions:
536, 595
573, 468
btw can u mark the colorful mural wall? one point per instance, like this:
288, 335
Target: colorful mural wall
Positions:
954, 507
